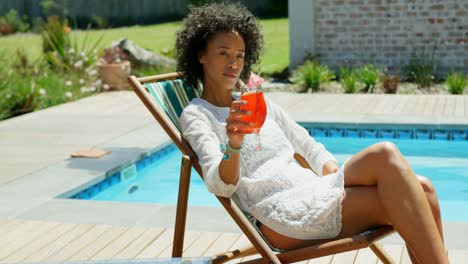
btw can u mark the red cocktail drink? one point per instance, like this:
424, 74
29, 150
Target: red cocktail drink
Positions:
257, 107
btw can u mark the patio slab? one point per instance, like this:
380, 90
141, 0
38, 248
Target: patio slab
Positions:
53, 242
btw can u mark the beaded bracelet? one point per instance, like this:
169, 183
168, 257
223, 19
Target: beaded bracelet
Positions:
228, 150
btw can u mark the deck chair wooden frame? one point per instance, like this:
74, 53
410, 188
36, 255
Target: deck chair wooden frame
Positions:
268, 255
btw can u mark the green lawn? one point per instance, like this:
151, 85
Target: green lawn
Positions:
162, 36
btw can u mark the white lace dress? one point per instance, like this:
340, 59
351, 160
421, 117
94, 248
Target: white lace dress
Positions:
277, 191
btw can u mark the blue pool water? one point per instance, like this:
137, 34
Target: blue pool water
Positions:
445, 162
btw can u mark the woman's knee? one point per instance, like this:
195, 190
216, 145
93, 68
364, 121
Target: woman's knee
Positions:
431, 194
368, 165
389, 157
387, 150
393, 160
427, 185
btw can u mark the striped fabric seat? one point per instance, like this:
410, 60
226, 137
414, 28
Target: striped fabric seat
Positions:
173, 96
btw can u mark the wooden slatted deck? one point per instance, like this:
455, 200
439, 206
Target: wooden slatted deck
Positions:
37, 241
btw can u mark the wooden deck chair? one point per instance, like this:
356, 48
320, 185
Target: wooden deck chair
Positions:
165, 96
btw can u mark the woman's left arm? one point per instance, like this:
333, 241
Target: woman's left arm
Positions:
319, 159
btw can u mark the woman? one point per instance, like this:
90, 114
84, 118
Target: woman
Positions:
217, 46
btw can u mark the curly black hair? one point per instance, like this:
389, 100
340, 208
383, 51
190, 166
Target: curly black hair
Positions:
206, 20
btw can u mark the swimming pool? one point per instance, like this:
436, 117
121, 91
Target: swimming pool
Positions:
441, 156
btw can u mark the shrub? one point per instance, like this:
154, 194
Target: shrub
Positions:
456, 83
24, 65
17, 96
12, 93
11, 22
63, 53
24, 93
390, 82
100, 22
368, 75
26, 86
5, 27
349, 79
4, 96
56, 40
422, 66
54, 89
311, 75
50, 7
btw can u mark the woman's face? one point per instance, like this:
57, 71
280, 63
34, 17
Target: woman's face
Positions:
223, 59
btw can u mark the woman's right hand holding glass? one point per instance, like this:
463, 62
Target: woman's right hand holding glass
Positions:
236, 127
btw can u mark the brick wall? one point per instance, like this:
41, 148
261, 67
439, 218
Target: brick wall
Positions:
386, 32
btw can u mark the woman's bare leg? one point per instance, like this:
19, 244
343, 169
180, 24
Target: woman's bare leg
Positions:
402, 198
358, 201
368, 198
362, 199
431, 195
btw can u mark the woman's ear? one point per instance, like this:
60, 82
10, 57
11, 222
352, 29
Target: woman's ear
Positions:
201, 57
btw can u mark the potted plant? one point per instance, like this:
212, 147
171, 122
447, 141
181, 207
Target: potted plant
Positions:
113, 68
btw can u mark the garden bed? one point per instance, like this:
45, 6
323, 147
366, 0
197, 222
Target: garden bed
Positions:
37, 77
